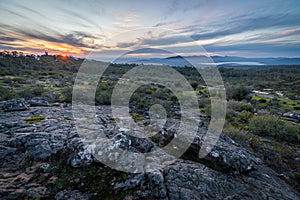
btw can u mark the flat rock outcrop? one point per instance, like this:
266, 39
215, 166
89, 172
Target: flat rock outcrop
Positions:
47, 159
38, 101
14, 105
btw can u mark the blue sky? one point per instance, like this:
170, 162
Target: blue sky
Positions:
239, 28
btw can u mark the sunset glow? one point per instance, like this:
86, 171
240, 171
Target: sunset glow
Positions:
252, 28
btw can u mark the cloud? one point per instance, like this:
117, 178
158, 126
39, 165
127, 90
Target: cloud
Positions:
126, 16
126, 44
257, 21
79, 39
295, 31
7, 38
17, 37
11, 48
243, 23
25, 8
257, 48
247, 26
161, 24
170, 40
14, 13
149, 50
80, 17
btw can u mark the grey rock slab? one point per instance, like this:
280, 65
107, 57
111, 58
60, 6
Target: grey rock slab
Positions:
14, 105
38, 101
71, 195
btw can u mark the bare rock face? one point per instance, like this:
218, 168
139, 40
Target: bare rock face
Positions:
189, 180
14, 105
71, 194
38, 101
47, 159
227, 155
81, 158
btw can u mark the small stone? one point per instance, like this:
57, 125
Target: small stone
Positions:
215, 154
81, 158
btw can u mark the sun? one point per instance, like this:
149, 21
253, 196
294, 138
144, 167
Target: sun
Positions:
64, 56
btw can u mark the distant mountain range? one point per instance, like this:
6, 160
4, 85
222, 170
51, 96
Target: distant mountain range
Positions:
218, 60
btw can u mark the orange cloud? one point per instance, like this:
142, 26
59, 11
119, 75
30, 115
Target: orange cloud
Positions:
289, 32
34, 44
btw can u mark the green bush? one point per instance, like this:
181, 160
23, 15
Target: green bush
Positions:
233, 105
26, 93
207, 109
137, 117
236, 134
6, 94
194, 84
148, 91
237, 92
246, 107
244, 117
262, 100
38, 91
67, 94
273, 126
297, 107
103, 98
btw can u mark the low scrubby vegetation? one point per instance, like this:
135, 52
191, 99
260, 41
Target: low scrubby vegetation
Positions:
263, 103
273, 126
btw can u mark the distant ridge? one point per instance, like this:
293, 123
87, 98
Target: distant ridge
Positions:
265, 61
218, 60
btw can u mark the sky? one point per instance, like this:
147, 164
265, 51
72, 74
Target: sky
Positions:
110, 28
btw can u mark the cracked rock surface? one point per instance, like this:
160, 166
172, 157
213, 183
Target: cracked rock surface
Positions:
47, 159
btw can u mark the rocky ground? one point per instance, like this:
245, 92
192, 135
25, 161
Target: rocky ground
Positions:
42, 157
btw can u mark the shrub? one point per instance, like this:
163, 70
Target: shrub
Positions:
38, 91
246, 107
26, 93
148, 91
207, 109
244, 116
273, 126
103, 98
262, 100
6, 94
67, 94
297, 107
236, 134
238, 92
194, 84
137, 117
233, 105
